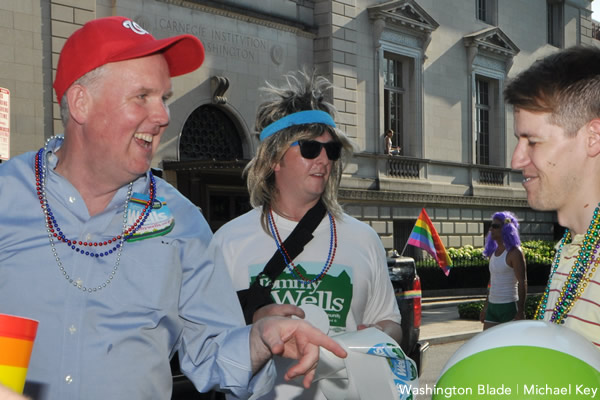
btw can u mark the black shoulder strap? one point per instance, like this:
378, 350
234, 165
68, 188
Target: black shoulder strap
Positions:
295, 242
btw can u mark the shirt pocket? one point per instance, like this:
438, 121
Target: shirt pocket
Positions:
149, 276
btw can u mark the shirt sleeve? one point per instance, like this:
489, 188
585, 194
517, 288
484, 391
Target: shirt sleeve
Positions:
382, 303
214, 349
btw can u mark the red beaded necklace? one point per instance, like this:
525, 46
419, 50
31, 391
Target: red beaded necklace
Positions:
54, 229
289, 262
54, 232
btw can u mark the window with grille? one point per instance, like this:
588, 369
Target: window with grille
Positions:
210, 134
394, 97
555, 23
482, 112
486, 11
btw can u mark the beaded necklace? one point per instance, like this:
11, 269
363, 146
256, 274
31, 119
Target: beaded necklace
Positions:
290, 264
55, 233
582, 271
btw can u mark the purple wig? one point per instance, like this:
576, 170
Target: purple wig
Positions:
510, 233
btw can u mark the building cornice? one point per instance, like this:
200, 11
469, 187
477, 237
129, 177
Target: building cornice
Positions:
346, 195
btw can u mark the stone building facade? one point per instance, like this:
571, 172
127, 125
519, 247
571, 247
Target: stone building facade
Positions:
431, 70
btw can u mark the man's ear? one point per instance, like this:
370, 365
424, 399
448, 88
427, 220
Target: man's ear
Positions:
79, 102
275, 167
593, 131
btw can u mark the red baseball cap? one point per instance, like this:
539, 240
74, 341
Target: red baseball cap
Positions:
105, 40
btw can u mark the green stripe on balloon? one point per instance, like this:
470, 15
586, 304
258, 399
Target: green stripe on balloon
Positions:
518, 373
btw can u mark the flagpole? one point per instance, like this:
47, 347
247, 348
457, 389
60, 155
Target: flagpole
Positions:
406, 244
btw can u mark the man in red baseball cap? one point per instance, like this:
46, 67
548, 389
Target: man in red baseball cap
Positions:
113, 39
111, 260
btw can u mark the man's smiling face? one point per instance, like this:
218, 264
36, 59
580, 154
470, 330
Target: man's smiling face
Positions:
551, 161
128, 116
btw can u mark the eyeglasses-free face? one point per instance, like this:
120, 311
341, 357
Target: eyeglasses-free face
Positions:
310, 149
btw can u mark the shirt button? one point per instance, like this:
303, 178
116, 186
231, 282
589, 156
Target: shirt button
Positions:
72, 329
71, 199
88, 237
68, 379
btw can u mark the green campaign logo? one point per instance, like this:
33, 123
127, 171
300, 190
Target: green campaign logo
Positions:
332, 293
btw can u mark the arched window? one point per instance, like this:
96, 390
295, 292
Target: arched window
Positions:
210, 134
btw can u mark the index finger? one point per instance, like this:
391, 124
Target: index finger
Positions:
316, 337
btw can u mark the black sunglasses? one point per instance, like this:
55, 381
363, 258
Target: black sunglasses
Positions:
496, 226
310, 149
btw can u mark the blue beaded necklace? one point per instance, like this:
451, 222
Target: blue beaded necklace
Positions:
53, 227
290, 264
55, 233
583, 270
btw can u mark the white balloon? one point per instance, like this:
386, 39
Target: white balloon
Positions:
529, 333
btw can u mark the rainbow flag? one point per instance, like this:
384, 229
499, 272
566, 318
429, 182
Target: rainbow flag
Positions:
426, 237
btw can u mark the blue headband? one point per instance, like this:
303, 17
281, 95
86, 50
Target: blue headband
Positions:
298, 118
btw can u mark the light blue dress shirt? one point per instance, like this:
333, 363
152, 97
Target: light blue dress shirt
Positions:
116, 343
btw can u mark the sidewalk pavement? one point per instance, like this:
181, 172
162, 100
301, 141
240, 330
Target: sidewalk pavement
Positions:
440, 322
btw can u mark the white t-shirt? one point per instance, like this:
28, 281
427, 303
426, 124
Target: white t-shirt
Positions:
356, 289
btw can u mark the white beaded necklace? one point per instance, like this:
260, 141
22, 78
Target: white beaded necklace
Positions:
43, 171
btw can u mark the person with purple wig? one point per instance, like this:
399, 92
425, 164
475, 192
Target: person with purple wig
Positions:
508, 272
